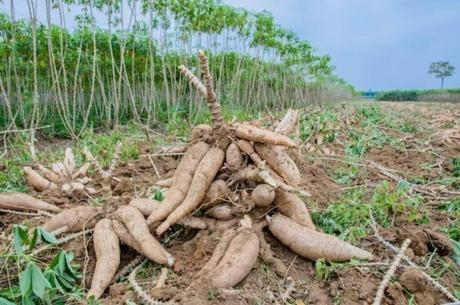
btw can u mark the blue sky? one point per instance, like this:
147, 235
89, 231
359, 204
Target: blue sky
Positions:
374, 44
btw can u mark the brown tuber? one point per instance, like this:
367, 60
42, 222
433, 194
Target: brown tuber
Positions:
292, 206
237, 262
216, 193
204, 175
107, 248
74, 219
24, 202
137, 227
233, 157
278, 159
312, 244
218, 252
144, 205
182, 179
256, 134
222, 212
125, 237
263, 195
38, 182
288, 123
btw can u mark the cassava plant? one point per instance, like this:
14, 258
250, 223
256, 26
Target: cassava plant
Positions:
231, 173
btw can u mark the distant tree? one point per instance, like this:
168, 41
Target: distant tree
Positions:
441, 69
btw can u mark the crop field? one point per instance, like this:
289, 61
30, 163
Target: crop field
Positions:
376, 174
190, 152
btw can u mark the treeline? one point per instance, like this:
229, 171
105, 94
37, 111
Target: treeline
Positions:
101, 72
431, 95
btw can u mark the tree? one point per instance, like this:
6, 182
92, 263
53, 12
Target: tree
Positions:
441, 69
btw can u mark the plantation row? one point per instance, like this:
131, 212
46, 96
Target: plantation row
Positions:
433, 95
101, 73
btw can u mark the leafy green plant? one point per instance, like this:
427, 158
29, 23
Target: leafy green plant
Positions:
451, 205
270, 59
360, 141
323, 123
455, 166
349, 217
346, 177
21, 238
38, 284
371, 114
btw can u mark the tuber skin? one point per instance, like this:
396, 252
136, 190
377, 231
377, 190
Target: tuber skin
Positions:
24, 202
58, 168
218, 252
144, 205
182, 180
69, 162
38, 182
252, 133
280, 161
292, 206
263, 195
75, 219
73, 188
233, 157
288, 123
249, 173
125, 237
165, 182
204, 175
81, 172
219, 225
258, 162
237, 261
216, 193
137, 227
205, 223
312, 244
221, 212
50, 175
248, 149
107, 248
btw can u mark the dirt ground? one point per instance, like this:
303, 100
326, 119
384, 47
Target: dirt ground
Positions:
302, 284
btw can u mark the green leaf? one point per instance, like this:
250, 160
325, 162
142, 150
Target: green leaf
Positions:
54, 281
54, 262
455, 251
25, 279
20, 238
456, 293
68, 259
27, 300
35, 238
48, 237
5, 302
39, 282
62, 262
63, 282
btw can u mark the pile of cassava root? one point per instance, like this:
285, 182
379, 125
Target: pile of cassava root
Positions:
234, 178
